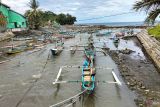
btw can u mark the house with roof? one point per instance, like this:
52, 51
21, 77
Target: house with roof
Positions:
11, 19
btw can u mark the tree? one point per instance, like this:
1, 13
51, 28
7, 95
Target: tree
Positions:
61, 19
65, 19
152, 7
47, 16
34, 14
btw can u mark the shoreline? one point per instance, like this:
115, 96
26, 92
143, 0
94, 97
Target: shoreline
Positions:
139, 76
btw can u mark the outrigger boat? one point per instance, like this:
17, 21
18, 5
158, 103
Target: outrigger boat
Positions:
88, 69
88, 80
88, 73
58, 48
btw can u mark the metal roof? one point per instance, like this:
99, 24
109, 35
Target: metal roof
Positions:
4, 5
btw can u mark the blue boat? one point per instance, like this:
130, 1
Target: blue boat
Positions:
88, 77
88, 71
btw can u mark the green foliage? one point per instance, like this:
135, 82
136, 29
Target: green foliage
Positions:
33, 15
150, 6
38, 18
155, 32
65, 19
33, 4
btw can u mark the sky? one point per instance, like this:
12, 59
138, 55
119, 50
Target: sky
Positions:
85, 9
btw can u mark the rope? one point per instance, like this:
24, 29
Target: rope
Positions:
68, 100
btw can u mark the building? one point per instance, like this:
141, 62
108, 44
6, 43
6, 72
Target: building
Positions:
13, 19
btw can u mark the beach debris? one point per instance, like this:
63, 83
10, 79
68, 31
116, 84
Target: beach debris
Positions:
126, 51
37, 76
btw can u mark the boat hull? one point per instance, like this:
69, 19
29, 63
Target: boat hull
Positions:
88, 81
55, 52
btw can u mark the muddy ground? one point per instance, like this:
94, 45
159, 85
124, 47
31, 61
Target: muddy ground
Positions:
140, 75
138, 72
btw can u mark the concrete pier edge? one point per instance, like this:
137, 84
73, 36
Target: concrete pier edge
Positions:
151, 46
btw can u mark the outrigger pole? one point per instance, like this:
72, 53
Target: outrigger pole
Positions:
117, 81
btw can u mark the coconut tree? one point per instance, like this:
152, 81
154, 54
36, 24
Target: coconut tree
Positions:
33, 14
152, 8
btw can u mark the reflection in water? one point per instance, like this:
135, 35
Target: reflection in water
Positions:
88, 100
118, 91
57, 90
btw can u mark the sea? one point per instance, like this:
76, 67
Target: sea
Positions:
115, 24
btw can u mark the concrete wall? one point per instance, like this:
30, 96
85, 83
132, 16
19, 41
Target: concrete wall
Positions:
151, 45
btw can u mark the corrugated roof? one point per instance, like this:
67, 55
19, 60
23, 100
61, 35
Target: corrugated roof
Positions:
4, 5
17, 13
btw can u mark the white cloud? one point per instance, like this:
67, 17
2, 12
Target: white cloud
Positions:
82, 9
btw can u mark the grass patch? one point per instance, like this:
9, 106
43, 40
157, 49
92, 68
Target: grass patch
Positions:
155, 32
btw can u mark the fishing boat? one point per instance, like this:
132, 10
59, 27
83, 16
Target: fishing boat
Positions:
88, 81
88, 76
58, 48
88, 70
116, 40
104, 34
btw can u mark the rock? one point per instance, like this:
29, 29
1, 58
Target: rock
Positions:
146, 90
126, 51
37, 76
140, 105
128, 83
143, 87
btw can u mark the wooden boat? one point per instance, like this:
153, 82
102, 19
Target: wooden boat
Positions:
104, 34
88, 72
116, 40
58, 48
88, 79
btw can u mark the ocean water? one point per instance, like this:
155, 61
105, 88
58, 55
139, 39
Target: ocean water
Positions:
116, 24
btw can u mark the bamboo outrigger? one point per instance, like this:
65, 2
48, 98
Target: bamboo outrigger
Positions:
88, 81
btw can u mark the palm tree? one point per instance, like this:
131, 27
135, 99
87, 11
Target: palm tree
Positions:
152, 7
34, 14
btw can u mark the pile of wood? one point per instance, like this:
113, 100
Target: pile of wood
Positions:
151, 45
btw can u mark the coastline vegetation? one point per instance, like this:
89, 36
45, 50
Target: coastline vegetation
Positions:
152, 8
155, 32
37, 17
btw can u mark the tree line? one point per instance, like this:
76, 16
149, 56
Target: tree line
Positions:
37, 17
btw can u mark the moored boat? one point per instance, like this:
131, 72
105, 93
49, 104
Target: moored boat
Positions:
58, 48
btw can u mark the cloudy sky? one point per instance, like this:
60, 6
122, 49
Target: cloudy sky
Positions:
85, 9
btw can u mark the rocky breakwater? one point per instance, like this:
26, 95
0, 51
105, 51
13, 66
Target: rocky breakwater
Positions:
151, 46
